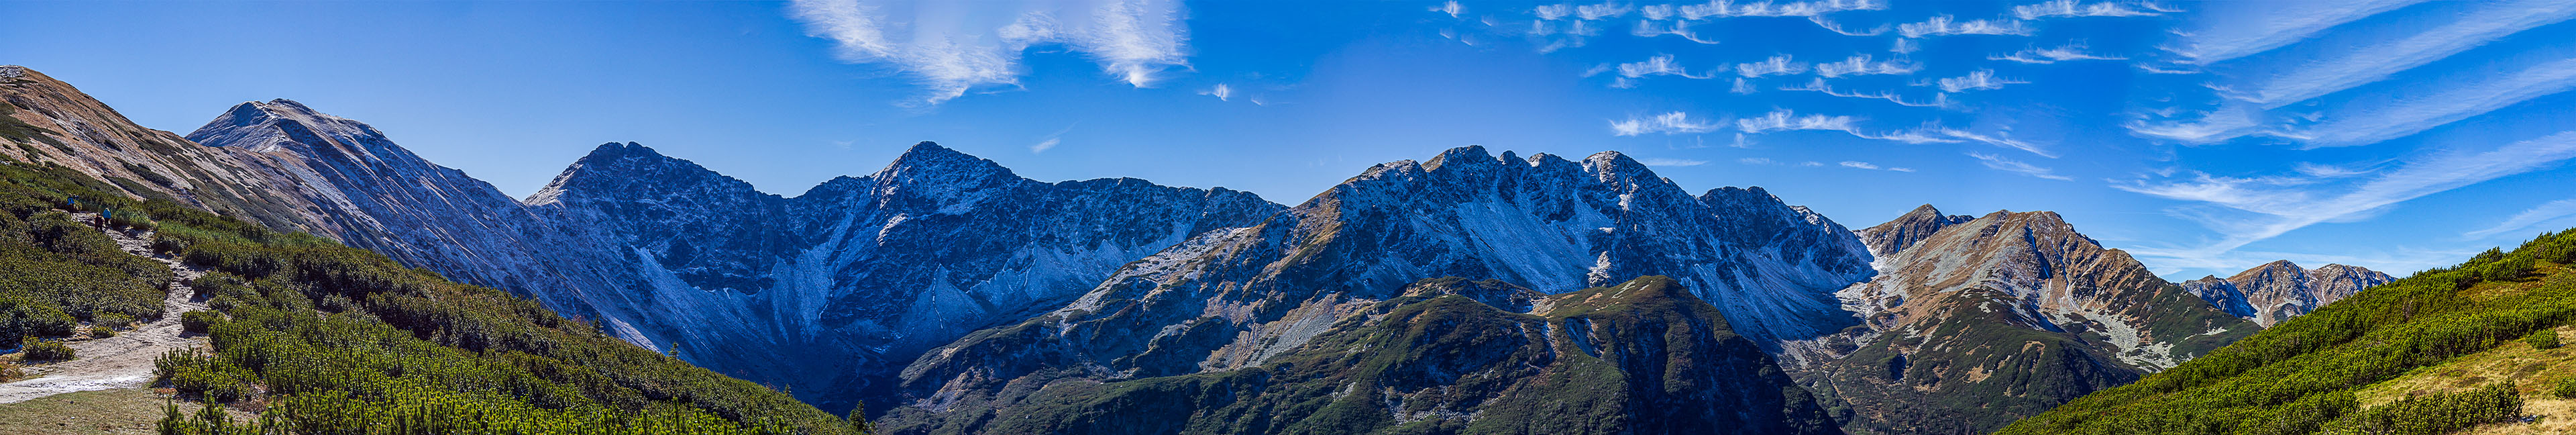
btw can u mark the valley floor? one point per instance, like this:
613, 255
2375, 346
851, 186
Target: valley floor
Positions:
123, 361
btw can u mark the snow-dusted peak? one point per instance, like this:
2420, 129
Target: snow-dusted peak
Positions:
927, 162
1471, 154
629, 171
1613, 166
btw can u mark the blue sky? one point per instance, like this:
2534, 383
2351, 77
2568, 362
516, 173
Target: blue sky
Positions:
2203, 137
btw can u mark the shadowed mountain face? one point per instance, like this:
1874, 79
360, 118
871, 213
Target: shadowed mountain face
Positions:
1989, 319
1645, 356
2276, 291
860, 273
1243, 298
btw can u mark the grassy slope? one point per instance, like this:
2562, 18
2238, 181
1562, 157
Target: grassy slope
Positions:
2443, 330
325, 336
118, 411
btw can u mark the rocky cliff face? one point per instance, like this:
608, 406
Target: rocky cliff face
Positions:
831, 289
1645, 356
2278, 290
1241, 298
2001, 316
1887, 239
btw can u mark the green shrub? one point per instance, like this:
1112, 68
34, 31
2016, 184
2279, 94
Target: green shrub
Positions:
2545, 338
96, 331
2566, 389
197, 321
113, 321
27, 318
2509, 269
32, 349
2438, 413
205, 376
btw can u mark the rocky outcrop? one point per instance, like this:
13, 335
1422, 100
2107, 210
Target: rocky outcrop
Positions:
2276, 291
1998, 317
1886, 239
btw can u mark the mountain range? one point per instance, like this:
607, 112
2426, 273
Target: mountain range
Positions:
1470, 292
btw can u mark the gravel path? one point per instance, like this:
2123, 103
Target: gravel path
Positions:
126, 359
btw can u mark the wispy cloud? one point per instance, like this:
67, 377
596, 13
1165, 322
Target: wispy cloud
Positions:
1819, 86
1451, 7
1667, 123
1221, 92
1983, 79
1830, 26
1045, 145
1997, 139
1944, 26
1756, 161
1660, 65
2363, 64
974, 45
2277, 209
1650, 28
1671, 162
1873, 167
1862, 65
2052, 55
1775, 65
2009, 165
2373, 121
1728, 8
1779, 120
2545, 212
2071, 8
2228, 30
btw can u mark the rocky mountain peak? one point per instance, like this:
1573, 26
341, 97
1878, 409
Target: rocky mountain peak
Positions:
2278, 290
633, 171
931, 164
287, 125
1888, 238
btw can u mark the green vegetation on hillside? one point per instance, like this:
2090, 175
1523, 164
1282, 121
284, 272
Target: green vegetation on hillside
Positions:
1641, 357
2301, 375
329, 339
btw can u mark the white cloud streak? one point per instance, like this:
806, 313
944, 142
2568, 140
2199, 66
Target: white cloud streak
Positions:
2066, 53
2375, 121
2545, 212
1221, 92
1945, 25
2364, 64
1775, 65
1874, 167
2071, 8
954, 47
1781, 120
1983, 79
1668, 123
1862, 65
1819, 86
2228, 30
1728, 8
1045, 145
2009, 165
2279, 209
